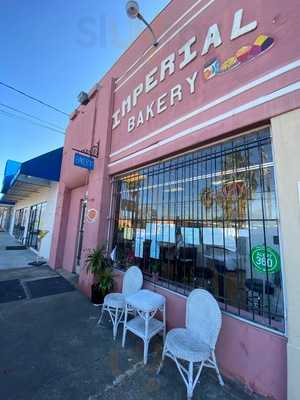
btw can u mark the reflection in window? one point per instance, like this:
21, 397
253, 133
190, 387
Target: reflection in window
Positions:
207, 219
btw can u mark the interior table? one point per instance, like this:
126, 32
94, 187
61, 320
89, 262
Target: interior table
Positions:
146, 304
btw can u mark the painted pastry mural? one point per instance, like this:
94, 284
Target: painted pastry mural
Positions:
244, 54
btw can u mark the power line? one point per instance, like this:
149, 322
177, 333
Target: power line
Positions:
31, 116
30, 121
6, 113
34, 98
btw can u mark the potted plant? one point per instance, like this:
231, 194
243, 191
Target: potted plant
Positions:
154, 267
98, 265
106, 283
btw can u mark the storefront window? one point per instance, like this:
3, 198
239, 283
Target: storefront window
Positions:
207, 219
36, 217
20, 224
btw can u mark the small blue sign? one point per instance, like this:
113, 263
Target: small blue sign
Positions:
83, 161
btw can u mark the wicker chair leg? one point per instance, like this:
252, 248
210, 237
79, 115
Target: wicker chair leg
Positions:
190, 382
101, 315
217, 369
115, 323
125, 329
146, 349
162, 360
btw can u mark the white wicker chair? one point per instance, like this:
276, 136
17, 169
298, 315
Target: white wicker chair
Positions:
114, 303
196, 343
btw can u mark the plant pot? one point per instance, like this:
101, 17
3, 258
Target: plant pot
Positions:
155, 276
97, 297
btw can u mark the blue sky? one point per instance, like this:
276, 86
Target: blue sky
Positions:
53, 50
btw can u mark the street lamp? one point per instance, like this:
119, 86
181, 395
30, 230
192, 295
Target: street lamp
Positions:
133, 11
83, 98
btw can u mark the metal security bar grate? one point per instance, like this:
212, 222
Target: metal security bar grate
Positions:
34, 224
207, 219
19, 224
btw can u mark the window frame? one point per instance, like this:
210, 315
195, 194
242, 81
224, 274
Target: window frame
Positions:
176, 286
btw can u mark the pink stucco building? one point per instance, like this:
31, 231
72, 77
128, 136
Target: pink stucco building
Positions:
198, 175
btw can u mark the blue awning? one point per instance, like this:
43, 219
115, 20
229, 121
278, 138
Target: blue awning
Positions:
11, 168
21, 180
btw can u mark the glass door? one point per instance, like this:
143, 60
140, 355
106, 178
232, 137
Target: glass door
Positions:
30, 233
34, 223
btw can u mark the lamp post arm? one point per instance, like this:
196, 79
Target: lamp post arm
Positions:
155, 41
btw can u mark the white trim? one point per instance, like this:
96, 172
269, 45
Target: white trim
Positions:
282, 253
274, 74
217, 141
165, 43
221, 117
159, 39
200, 177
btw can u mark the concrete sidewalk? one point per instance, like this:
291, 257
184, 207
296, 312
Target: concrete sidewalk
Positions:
52, 349
13, 258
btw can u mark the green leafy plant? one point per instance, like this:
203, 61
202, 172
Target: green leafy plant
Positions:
106, 281
98, 265
154, 266
96, 262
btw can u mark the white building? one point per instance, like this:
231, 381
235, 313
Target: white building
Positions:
33, 186
5, 215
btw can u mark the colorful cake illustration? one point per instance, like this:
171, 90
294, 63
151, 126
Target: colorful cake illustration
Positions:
211, 69
244, 54
229, 64
261, 44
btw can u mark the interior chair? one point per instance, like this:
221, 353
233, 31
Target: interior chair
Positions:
146, 254
204, 276
193, 347
187, 261
114, 303
168, 255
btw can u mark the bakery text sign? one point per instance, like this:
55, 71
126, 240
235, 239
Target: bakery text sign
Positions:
178, 60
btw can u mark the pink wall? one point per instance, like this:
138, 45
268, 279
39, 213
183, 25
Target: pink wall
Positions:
99, 179
230, 103
246, 353
272, 21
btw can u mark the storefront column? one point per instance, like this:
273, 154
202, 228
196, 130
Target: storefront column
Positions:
286, 142
99, 186
59, 228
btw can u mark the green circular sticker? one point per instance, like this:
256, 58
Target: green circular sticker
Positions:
265, 257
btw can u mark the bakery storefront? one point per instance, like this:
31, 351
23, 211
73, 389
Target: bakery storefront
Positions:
207, 218
197, 176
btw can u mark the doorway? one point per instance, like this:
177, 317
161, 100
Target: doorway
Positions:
80, 234
35, 222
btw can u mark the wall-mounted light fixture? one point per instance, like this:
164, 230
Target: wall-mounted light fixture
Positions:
133, 11
83, 98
